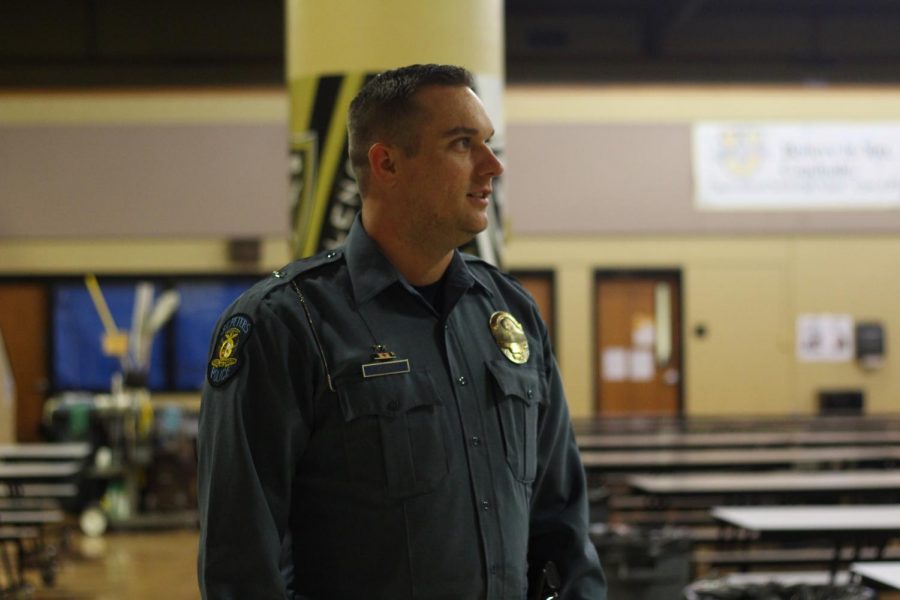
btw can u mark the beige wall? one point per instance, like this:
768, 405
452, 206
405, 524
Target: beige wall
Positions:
125, 164
118, 180
636, 178
748, 293
747, 290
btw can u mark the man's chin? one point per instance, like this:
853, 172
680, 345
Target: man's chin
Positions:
478, 224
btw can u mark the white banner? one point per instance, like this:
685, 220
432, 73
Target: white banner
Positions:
791, 166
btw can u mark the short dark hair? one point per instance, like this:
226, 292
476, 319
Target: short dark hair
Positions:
384, 110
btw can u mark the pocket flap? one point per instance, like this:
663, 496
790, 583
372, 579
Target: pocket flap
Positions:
386, 396
519, 381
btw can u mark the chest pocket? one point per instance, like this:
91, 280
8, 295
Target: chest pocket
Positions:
394, 433
518, 391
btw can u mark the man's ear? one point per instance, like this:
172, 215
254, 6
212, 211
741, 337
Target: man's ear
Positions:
381, 162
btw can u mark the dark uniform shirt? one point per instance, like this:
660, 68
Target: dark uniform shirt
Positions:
447, 478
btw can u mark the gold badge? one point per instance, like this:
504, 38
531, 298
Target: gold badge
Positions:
510, 337
226, 349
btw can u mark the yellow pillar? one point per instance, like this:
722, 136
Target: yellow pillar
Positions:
332, 47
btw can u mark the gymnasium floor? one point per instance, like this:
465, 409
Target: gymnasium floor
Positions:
141, 566
127, 566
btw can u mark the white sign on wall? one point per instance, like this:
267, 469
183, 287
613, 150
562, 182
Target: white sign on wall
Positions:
825, 338
796, 166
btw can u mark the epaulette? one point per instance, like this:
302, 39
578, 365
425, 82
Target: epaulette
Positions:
304, 265
286, 274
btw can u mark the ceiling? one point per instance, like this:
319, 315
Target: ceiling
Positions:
59, 43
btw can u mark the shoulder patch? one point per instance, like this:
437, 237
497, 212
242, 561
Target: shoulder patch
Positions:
226, 359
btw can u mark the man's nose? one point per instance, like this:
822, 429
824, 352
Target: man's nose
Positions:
491, 164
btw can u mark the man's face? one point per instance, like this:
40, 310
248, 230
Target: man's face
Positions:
445, 187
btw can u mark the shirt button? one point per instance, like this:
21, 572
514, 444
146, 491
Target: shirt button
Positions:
485, 505
393, 404
461, 380
476, 441
494, 569
530, 393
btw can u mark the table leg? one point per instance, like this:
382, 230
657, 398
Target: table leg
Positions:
835, 561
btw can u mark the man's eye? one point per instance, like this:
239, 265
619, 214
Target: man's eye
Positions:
462, 143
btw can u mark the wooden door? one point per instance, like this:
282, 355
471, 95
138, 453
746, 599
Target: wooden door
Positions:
23, 321
638, 344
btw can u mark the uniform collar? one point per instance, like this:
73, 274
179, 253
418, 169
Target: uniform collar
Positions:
371, 272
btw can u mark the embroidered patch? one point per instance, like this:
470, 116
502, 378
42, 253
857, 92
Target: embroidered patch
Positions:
225, 360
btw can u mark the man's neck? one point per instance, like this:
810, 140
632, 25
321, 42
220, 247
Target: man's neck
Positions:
415, 266
419, 266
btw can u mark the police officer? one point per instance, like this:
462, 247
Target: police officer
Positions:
387, 420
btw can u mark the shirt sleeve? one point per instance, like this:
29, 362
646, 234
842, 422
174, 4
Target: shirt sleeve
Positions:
252, 431
559, 510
